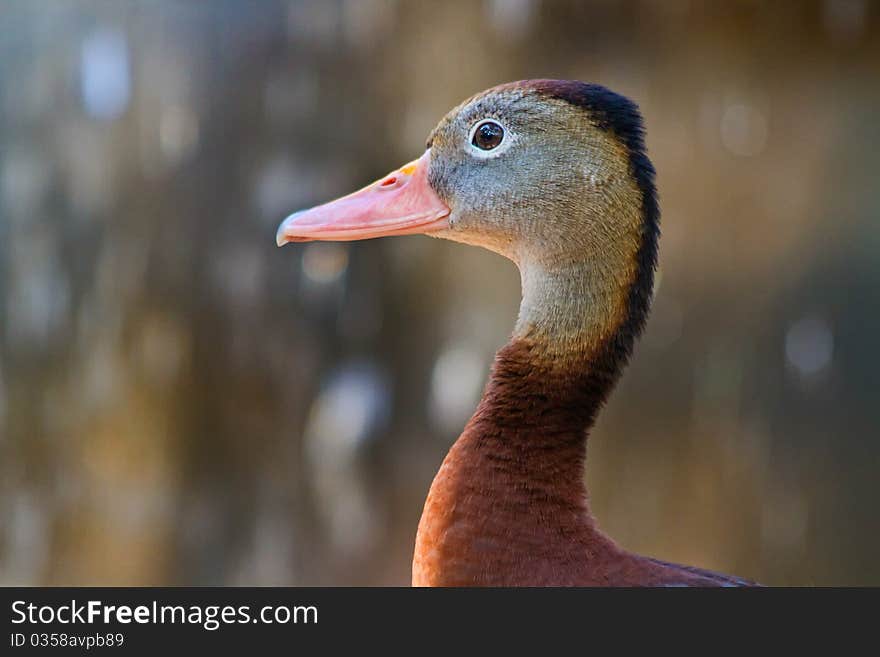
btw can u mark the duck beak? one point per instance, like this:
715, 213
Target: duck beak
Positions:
401, 203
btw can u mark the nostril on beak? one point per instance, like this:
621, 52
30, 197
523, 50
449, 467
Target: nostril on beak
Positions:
388, 182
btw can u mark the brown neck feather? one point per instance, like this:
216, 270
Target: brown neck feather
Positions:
557, 398
535, 414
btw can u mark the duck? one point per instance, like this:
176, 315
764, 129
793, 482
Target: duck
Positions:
553, 175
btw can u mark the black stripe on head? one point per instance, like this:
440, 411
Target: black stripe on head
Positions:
621, 116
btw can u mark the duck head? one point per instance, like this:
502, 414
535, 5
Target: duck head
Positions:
551, 174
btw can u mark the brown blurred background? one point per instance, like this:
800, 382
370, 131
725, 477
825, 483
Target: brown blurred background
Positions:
183, 403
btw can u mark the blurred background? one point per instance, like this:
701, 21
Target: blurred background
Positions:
181, 402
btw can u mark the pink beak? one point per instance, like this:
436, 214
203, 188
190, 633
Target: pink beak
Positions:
401, 203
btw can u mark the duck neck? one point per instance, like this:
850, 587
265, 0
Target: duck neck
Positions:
573, 336
509, 504
548, 383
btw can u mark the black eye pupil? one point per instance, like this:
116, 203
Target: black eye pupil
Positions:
488, 135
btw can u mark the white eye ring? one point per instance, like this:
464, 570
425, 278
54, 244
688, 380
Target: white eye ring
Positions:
506, 140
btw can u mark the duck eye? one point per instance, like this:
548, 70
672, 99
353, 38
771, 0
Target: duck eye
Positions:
488, 135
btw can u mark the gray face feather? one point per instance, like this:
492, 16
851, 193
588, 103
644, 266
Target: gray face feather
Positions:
557, 189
